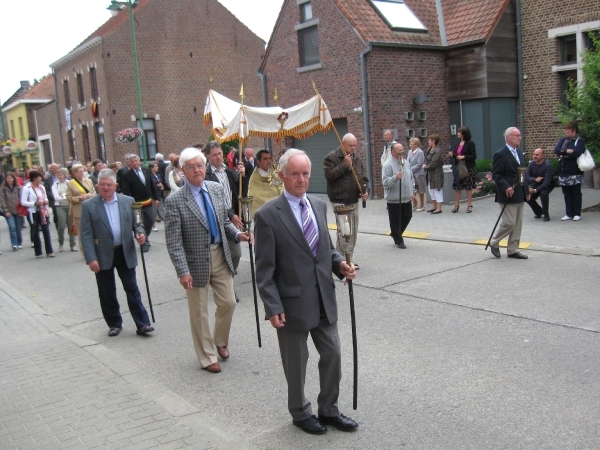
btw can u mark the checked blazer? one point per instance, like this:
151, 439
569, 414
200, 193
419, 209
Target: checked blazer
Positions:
188, 234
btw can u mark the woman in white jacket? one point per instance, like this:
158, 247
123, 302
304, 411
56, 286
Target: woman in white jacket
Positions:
34, 197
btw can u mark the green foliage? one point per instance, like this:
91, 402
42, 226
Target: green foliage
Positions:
584, 99
483, 165
485, 186
554, 163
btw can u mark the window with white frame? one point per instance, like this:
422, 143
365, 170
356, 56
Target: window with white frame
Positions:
308, 37
572, 41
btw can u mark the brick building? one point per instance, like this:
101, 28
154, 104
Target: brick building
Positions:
20, 111
417, 67
185, 48
555, 33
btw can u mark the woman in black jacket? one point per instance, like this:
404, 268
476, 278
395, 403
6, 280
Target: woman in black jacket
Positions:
570, 177
464, 151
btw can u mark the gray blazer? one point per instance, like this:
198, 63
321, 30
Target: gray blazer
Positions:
188, 234
96, 234
289, 278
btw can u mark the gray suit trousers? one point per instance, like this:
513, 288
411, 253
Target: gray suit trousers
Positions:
294, 357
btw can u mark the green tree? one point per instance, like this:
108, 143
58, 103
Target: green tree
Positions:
584, 100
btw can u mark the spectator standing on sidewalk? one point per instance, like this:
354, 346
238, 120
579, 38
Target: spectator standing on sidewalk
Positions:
10, 196
570, 178
63, 209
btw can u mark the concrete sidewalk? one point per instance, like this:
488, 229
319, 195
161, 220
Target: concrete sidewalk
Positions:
60, 390
579, 238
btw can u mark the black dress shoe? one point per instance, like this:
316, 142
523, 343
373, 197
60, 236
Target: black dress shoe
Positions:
546, 218
401, 245
114, 331
341, 422
518, 255
312, 425
495, 251
537, 216
145, 329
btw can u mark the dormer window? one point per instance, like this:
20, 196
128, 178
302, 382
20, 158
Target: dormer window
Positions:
398, 16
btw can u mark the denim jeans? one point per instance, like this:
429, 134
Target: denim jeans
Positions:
15, 222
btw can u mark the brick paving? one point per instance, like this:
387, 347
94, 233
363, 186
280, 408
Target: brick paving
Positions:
57, 395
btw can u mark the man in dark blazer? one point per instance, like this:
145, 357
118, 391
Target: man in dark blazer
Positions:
296, 287
106, 230
137, 183
197, 229
511, 189
217, 171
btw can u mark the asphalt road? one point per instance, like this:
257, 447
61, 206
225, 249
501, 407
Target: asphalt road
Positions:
457, 350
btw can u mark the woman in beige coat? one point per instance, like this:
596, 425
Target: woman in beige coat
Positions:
434, 166
79, 189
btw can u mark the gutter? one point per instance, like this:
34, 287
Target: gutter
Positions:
62, 144
520, 74
367, 131
427, 46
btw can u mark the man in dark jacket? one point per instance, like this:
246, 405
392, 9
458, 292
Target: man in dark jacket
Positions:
137, 183
49, 180
229, 179
510, 191
539, 179
342, 185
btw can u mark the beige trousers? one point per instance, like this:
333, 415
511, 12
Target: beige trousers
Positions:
221, 281
510, 225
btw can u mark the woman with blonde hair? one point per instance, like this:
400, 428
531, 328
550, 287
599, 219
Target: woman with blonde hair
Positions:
434, 165
79, 189
63, 208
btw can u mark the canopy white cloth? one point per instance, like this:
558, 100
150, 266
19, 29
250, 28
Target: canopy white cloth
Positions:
231, 120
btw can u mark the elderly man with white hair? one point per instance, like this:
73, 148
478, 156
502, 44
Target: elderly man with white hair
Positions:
197, 227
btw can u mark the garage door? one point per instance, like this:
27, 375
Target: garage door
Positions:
318, 146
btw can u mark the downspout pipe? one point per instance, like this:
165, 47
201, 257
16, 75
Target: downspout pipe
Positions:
520, 74
366, 120
263, 83
62, 144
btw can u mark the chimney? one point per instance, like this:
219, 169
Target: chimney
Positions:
25, 84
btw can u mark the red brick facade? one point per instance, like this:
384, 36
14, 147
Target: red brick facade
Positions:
542, 86
182, 46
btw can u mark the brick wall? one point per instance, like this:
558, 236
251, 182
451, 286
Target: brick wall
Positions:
540, 53
181, 46
48, 124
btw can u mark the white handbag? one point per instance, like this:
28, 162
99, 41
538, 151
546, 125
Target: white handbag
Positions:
585, 161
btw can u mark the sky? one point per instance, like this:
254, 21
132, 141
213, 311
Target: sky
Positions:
37, 33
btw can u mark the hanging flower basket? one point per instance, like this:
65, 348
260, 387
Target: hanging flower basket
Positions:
129, 134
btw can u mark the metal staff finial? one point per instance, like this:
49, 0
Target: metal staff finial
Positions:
276, 98
242, 94
314, 86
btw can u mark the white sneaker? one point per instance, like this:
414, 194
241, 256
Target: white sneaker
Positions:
60, 248
19, 246
567, 218
577, 218
154, 229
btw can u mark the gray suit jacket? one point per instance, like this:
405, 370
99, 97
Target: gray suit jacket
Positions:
290, 279
188, 234
96, 234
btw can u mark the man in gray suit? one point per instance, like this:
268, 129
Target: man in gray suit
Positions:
197, 228
106, 229
294, 261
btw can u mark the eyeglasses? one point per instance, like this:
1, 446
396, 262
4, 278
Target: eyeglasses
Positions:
200, 166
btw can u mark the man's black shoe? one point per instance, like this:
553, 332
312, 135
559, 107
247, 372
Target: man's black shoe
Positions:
401, 245
311, 425
341, 422
518, 255
546, 218
537, 216
495, 251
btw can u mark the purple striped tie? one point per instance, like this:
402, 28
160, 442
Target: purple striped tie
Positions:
310, 232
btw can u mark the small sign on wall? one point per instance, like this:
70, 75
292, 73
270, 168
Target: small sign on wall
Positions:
453, 130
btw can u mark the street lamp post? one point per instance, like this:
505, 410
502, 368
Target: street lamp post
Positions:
130, 4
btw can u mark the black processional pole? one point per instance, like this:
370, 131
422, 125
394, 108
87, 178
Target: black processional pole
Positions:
137, 211
246, 205
345, 231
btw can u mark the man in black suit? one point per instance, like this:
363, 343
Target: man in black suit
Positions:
510, 190
122, 171
220, 173
294, 262
137, 183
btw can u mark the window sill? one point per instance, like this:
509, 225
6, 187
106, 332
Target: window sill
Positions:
81, 107
307, 24
309, 68
565, 67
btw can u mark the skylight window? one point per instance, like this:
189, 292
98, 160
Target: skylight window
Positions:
398, 16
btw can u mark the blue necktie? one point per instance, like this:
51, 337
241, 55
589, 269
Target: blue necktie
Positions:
210, 215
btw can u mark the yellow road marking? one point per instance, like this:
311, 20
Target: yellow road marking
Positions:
504, 243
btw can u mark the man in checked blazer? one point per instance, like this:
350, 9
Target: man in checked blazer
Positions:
296, 287
510, 191
143, 192
197, 228
106, 232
